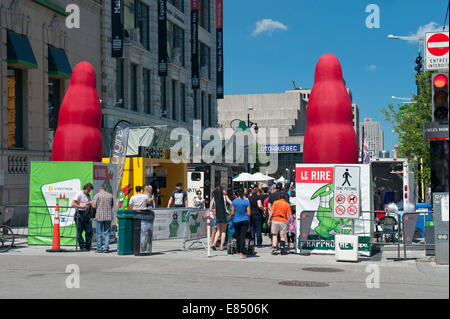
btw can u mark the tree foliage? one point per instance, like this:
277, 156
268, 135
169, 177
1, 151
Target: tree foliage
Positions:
407, 120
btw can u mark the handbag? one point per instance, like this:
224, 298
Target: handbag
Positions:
90, 211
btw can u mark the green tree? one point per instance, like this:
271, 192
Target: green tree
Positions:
407, 120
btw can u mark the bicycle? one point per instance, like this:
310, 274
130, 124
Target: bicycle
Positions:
6, 238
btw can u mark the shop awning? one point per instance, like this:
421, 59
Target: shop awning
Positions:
58, 64
19, 51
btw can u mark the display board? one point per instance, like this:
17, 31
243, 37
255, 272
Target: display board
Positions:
346, 203
315, 192
54, 183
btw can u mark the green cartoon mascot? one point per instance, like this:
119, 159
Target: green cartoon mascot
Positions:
325, 214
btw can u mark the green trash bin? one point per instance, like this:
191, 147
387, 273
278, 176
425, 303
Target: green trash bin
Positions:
125, 233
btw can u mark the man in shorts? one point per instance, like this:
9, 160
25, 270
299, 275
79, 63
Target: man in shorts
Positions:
279, 220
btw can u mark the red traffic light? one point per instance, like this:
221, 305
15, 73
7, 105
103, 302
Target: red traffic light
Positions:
440, 80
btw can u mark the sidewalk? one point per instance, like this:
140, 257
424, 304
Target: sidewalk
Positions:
171, 272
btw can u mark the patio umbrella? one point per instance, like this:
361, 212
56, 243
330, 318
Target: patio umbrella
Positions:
260, 177
243, 177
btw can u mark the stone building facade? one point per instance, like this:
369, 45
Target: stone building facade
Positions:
129, 88
37, 54
155, 100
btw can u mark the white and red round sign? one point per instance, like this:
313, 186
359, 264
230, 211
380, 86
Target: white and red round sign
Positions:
437, 44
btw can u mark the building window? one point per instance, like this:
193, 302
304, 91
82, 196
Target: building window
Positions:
179, 4
163, 97
54, 103
210, 115
147, 96
202, 102
142, 22
204, 16
129, 19
175, 44
119, 83
205, 61
15, 108
174, 100
133, 89
183, 101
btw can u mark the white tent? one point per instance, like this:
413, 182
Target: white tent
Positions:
243, 177
281, 180
260, 177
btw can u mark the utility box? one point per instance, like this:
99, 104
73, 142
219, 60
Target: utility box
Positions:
441, 215
346, 247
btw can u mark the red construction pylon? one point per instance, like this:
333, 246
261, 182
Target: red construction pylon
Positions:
56, 236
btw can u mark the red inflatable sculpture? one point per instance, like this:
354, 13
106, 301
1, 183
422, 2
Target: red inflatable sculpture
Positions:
330, 136
78, 136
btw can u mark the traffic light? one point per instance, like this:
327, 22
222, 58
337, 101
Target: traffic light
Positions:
439, 83
418, 67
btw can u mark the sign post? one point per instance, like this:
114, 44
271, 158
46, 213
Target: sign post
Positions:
346, 206
346, 202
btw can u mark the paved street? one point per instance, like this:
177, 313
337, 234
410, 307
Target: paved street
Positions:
30, 272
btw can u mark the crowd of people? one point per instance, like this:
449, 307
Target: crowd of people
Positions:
261, 210
269, 211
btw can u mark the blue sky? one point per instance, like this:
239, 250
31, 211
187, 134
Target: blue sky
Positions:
300, 31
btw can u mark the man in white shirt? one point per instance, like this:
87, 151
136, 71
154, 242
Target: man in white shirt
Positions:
139, 200
82, 199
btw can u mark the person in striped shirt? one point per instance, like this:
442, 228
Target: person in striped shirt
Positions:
103, 202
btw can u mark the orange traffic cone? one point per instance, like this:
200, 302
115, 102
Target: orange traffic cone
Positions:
56, 237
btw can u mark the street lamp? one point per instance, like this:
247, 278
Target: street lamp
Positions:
408, 100
249, 125
418, 68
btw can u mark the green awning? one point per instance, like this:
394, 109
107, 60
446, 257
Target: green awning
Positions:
58, 64
19, 51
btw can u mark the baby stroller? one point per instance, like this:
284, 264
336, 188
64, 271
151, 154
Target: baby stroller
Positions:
249, 249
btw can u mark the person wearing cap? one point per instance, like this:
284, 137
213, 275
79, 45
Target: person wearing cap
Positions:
178, 197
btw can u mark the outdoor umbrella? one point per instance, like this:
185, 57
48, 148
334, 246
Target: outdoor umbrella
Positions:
243, 177
260, 177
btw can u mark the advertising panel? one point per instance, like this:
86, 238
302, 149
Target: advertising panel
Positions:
315, 192
54, 183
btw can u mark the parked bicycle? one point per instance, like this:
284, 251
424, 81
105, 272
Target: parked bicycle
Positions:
6, 238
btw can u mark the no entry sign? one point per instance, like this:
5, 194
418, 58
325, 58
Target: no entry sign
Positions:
346, 192
436, 50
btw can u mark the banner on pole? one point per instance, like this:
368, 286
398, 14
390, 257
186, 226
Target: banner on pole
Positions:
194, 45
219, 48
162, 37
117, 28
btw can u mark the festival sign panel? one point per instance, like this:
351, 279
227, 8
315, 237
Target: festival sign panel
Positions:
54, 183
315, 192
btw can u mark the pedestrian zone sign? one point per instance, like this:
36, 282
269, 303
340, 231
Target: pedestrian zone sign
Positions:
346, 203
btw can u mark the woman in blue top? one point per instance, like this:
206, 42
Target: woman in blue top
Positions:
240, 209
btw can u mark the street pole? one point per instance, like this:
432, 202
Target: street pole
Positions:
421, 180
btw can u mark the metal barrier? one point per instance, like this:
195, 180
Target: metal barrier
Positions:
398, 225
35, 223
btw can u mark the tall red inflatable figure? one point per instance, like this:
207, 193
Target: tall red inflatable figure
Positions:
330, 137
78, 136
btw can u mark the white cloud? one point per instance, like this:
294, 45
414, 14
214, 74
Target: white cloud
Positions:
269, 26
430, 27
372, 67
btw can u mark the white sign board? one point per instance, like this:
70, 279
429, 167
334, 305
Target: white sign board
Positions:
436, 50
347, 200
